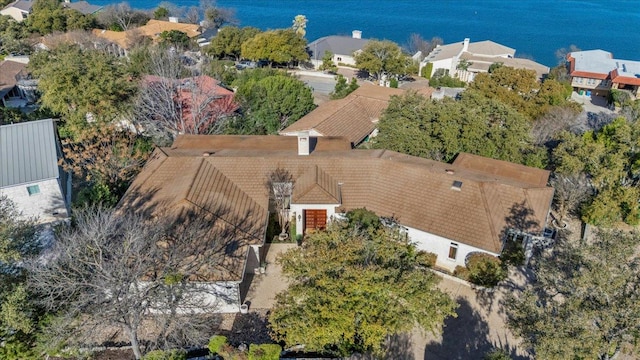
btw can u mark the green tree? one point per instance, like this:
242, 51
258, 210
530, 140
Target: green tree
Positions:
276, 46
174, 38
610, 160
228, 42
271, 100
343, 89
521, 90
440, 130
352, 289
161, 13
585, 300
382, 57
80, 84
327, 63
18, 313
48, 16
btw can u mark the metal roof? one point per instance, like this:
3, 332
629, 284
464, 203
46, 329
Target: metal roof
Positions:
337, 45
27, 152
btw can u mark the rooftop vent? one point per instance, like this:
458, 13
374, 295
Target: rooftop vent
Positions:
207, 154
457, 185
450, 171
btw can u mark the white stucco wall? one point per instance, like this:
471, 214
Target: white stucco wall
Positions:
297, 209
15, 13
440, 246
214, 297
438, 64
48, 205
312, 132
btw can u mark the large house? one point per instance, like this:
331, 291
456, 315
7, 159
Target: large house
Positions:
452, 210
29, 172
18, 10
354, 117
123, 40
596, 72
466, 59
342, 48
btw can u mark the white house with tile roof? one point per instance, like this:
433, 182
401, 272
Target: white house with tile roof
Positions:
343, 48
478, 55
451, 210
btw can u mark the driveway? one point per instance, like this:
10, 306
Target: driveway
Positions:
480, 325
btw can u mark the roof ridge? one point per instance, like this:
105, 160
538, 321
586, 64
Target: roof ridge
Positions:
494, 233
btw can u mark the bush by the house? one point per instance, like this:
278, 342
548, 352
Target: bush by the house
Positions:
216, 343
485, 269
393, 83
427, 71
461, 272
264, 352
166, 355
497, 354
427, 259
513, 253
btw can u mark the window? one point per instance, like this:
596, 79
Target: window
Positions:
339, 58
457, 185
453, 251
33, 189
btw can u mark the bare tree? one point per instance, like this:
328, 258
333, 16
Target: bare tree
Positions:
417, 43
570, 192
122, 269
192, 15
552, 122
215, 16
280, 186
169, 103
121, 15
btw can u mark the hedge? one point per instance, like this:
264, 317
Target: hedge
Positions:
264, 352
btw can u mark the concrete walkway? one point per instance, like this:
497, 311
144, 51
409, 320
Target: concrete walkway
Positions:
480, 325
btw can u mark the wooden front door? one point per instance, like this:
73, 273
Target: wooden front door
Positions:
315, 219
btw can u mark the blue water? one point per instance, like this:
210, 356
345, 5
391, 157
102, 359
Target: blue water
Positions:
535, 28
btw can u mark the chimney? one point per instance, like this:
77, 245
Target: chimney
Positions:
356, 34
173, 19
303, 143
465, 45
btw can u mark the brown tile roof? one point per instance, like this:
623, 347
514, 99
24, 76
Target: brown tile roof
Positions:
153, 28
9, 71
495, 195
353, 117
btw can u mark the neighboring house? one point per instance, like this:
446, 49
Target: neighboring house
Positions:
452, 210
124, 40
596, 72
17, 89
197, 100
82, 6
19, 9
354, 117
478, 55
29, 170
343, 48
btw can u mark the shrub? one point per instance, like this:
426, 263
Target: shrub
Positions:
426, 72
427, 259
216, 343
497, 354
166, 355
264, 352
513, 253
393, 83
461, 272
485, 269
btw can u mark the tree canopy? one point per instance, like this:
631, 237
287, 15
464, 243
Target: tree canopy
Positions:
382, 57
18, 244
611, 160
48, 16
228, 42
271, 100
585, 300
77, 82
521, 90
276, 46
440, 130
351, 287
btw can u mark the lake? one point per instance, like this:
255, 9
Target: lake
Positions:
535, 28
